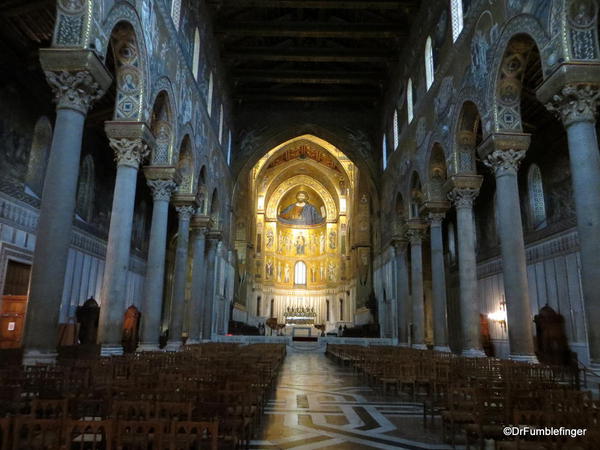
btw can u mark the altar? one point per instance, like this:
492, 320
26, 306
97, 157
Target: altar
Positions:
300, 316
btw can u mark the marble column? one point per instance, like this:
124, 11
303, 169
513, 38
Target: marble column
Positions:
576, 105
209, 284
184, 212
438, 279
503, 153
200, 227
402, 293
74, 93
463, 190
415, 235
162, 188
130, 146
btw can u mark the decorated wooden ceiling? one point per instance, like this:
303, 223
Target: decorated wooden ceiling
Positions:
311, 51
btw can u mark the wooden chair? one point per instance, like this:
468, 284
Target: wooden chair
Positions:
5, 432
191, 435
36, 434
141, 434
88, 434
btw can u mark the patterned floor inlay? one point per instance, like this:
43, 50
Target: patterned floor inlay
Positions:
320, 405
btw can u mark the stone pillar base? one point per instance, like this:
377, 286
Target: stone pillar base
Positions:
111, 350
148, 348
173, 346
420, 346
442, 348
33, 357
473, 353
524, 358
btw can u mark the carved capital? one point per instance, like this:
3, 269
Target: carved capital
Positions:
129, 152
415, 236
162, 189
76, 91
575, 103
436, 218
185, 212
504, 161
463, 197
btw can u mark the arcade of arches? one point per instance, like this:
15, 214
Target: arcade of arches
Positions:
422, 176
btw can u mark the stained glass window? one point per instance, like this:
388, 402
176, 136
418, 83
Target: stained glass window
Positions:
456, 9
537, 204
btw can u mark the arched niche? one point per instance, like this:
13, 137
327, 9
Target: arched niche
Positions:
301, 180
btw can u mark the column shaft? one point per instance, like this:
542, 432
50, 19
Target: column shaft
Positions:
155, 266
585, 176
467, 272
512, 245
53, 236
438, 279
198, 291
179, 276
402, 295
418, 306
114, 285
209, 289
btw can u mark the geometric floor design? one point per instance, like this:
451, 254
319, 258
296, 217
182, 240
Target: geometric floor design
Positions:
320, 405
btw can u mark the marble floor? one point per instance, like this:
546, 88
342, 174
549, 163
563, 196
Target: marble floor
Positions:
319, 404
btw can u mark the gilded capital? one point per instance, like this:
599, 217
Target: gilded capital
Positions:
575, 103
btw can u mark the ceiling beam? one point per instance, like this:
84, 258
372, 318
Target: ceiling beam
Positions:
316, 4
308, 77
371, 55
264, 97
312, 30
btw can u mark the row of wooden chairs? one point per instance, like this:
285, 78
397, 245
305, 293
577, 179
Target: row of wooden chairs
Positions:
27, 433
477, 397
211, 392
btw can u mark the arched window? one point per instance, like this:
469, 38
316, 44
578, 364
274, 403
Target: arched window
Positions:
209, 98
196, 61
384, 149
300, 273
409, 100
451, 242
395, 130
221, 124
85, 189
229, 148
456, 10
38, 157
176, 12
429, 68
537, 204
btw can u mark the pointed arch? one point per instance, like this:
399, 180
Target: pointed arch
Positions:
185, 166
161, 121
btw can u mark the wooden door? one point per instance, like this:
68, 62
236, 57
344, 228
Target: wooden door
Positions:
14, 304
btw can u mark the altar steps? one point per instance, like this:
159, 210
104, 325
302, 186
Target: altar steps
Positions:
307, 347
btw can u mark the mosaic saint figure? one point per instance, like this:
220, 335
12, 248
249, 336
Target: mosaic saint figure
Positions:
301, 212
